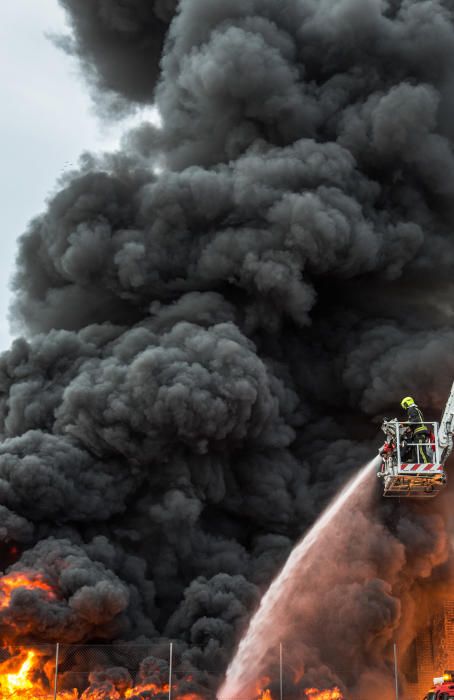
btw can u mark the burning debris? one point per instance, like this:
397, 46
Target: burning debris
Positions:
314, 694
211, 317
30, 674
309, 694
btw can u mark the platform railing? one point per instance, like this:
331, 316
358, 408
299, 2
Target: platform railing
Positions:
431, 425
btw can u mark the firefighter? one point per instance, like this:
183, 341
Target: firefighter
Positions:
418, 429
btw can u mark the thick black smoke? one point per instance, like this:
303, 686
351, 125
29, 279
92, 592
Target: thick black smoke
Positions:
209, 343
119, 44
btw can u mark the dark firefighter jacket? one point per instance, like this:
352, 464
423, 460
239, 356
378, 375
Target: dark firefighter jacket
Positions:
415, 416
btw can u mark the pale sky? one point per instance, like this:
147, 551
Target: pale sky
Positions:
46, 121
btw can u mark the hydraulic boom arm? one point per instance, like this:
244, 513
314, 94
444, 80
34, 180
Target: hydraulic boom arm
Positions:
445, 431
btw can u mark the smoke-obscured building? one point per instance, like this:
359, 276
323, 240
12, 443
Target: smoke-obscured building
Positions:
431, 653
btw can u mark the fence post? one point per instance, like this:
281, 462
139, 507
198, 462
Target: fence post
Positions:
396, 671
280, 672
170, 669
57, 653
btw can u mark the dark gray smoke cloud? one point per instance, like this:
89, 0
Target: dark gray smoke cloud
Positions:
207, 344
119, 44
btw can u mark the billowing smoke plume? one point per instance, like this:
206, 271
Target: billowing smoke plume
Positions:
119, 44
209, 342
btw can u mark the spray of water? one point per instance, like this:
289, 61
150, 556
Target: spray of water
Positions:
278, 610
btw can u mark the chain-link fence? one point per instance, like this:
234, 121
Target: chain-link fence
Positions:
155, 670
123, 670
158, 670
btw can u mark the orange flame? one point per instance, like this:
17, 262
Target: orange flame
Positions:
314, 694
309, 694
265, 695
19, 679
13, 581
149, 687
11, 683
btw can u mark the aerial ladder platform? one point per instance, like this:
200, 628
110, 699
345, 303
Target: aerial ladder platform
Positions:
405, 477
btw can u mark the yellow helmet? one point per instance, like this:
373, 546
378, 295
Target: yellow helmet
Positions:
407, 402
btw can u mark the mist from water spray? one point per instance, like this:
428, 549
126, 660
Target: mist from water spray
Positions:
278, 608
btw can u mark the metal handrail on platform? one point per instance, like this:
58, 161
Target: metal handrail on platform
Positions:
426, 443
411, 478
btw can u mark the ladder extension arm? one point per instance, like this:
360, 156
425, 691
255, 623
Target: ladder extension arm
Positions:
446, 429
